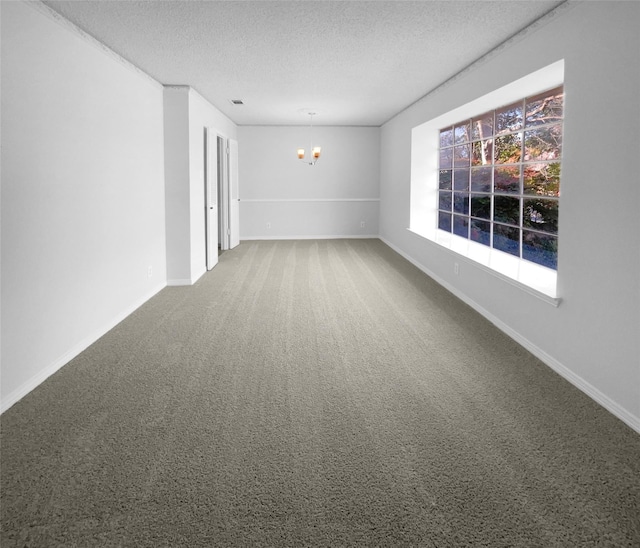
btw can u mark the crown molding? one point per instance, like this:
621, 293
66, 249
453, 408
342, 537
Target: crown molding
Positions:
71, 27
509, 42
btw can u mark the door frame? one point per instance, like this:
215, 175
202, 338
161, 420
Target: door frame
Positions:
223, 190
228, 214
210, 200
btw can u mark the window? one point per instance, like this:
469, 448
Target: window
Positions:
505, 208
499, 178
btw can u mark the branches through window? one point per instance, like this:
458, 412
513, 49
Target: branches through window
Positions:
499, 178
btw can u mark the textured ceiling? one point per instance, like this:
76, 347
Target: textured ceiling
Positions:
353, 62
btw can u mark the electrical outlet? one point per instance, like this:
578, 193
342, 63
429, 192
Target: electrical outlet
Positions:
268, 225
456, 268
149, 272
361, 224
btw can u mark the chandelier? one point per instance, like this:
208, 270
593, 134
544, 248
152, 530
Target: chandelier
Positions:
315, 151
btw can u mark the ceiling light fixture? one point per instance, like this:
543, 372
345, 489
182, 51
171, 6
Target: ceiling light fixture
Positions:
315, 151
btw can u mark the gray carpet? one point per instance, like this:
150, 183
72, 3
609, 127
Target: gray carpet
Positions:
313, 393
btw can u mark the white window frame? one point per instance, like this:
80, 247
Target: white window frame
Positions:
425, 143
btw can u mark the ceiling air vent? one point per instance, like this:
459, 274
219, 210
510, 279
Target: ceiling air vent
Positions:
237, 101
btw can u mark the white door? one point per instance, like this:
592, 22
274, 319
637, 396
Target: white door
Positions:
234, 196
211, 196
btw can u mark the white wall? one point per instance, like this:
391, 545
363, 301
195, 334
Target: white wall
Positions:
82, 193
177, 186
186, 114
330, 199
592, 337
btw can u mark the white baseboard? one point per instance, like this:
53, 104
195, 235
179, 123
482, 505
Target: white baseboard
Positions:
49, 370
591, 391
314, 237
198, 275
186, 281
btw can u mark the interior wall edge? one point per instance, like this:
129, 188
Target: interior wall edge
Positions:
198, 274
45, 372
596, 395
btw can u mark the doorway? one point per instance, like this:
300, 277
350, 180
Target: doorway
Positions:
228, 193
211, 185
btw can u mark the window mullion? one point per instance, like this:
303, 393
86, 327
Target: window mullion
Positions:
502, 232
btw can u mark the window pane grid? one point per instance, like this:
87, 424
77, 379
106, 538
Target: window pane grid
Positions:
500, 177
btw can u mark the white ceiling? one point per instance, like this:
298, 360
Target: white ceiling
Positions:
353, 62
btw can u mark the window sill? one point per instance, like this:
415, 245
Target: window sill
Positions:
539, 281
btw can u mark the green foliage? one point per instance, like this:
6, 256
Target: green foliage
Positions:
542, 179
